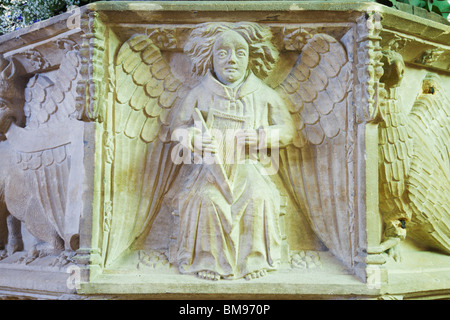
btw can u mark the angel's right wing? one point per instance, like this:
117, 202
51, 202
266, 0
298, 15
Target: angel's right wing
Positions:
146, 96
315, 167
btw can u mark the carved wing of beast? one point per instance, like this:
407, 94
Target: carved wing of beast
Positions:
314, 169
146, 95
395, 150
414, 164
46, 154
428, 183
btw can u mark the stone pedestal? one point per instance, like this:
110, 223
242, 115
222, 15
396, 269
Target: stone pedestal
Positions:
95, 199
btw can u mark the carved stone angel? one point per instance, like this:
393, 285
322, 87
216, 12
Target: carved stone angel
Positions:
206, 153
231, 235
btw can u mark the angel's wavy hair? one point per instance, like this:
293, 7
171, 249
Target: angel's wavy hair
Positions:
262, 53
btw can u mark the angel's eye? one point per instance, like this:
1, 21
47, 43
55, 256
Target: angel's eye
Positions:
241, 53
222, 54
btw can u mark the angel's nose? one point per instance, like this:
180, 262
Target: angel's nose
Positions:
233, 57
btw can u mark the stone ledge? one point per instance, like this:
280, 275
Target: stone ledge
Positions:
107, 26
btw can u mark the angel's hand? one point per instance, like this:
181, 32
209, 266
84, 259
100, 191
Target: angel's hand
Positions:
208, 144
247, 138
202, 143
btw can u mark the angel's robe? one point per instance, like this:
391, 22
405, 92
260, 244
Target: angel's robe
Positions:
238, 238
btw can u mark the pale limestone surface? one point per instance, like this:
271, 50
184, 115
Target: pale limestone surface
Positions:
95, 199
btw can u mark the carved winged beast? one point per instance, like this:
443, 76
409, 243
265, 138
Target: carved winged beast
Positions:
414, 161
37, 158
149, 103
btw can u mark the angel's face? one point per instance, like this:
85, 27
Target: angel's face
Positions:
230, 58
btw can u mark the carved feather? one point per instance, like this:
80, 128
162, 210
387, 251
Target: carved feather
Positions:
318, 82
394, 140
47, 99
153, 109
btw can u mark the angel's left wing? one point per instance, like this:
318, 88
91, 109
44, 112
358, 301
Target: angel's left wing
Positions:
314, 168
146, 97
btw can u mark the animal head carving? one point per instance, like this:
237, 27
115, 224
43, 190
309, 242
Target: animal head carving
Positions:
12, 85
394, 68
